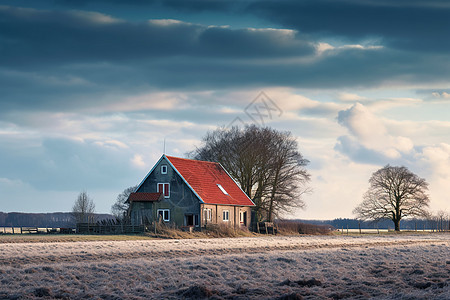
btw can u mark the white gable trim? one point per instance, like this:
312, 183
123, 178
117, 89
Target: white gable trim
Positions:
190, 187
148, 174
173, 167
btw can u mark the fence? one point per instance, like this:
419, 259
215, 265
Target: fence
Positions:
347, 231
34, 230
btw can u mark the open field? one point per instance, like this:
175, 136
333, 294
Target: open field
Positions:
313, 267
58, 238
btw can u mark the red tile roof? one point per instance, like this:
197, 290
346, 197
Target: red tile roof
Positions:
205, 178
144, 197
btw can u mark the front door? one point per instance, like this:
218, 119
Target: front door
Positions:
189, 220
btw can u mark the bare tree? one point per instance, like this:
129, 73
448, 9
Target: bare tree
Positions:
265, 163
439, 220
83, 209
120, 207
394, 193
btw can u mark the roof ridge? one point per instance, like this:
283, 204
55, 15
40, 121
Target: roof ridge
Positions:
195, 160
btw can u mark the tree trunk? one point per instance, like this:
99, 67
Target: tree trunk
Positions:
270, 213
397, 224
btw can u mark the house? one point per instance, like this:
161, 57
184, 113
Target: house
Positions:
188, 192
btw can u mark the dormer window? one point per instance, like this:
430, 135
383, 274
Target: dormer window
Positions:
163, 169
222, 189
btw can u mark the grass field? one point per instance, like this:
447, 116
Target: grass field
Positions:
387, 266
55, 238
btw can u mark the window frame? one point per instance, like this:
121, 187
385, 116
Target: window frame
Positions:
164, 169
164, 184
196, 220
162, 211
226, 213
208, 214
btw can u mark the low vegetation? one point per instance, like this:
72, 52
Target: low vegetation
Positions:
289, 227
211, 231
170, 232
264, 267
64, 238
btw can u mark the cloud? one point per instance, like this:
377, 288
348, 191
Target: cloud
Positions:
369, 136
80, 59
138, 161
349, 97
61, 164
406, 25
443, 95
80, 36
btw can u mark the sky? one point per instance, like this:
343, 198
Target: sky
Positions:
90, 89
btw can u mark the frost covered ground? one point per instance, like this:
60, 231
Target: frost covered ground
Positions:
274, 267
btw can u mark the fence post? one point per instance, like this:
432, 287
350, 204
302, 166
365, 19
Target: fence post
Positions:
12, 229
359, 226
347, 229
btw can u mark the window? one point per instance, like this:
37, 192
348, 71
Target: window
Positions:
226, 215
164, 188
222, 189
196, 221
165, 214
208, 214
163, 169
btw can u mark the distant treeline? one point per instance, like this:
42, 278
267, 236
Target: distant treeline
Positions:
409, 224
50, 220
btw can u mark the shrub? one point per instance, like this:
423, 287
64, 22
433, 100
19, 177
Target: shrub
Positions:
296, 227
170, 231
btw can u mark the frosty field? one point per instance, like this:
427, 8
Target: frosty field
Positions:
273, 267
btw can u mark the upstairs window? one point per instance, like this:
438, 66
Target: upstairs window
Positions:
164, 188
163, 169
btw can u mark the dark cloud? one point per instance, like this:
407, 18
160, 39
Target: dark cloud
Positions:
191, 5
417, 25
36, 37
53, 59
409, 25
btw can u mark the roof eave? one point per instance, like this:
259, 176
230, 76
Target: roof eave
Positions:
148, 174
237, 185
185, 181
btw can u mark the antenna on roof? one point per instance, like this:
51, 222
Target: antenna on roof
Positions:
164, 149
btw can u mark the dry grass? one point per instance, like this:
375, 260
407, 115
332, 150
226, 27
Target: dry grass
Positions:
55, 238
286, 227
265, 267
211, 231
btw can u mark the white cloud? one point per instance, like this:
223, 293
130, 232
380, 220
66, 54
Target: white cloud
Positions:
166, 22
443, 95
370, 131
349, 97
377, 140
138, 161
157, 100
